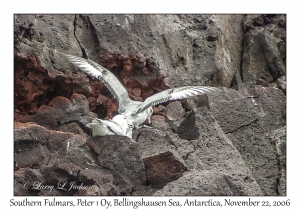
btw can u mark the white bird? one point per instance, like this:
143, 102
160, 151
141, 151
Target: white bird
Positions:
135, 112
118, 125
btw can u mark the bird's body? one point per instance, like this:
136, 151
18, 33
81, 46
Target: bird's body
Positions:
116, 126
135, 112
134, 118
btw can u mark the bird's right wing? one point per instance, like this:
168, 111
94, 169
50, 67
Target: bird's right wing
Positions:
99, 72
175, 94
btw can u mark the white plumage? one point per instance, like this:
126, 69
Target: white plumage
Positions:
135, 112
116, 126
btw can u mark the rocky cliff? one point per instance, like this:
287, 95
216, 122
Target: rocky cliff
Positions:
227, 143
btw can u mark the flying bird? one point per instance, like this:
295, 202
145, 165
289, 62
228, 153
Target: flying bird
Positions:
135, 112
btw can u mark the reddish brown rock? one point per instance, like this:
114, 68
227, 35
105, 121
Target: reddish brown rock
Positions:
92, 103
162, 161
159, 83
101, 99
29, 86
127, 65
109, 60
97, 87
81, 84
136, 92
127, 69
60, 111
162, 169
112, 108
136, 98
132, 83
129, 89
146, 92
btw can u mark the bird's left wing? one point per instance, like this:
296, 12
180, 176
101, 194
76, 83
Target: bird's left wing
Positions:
175, 94
99, 72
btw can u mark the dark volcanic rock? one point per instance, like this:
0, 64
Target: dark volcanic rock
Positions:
60, 158
281, 82
262, 82
162, 162
211, 152
264, 50
232, 109
273, 104
120, 154
278, 139
159, 122
72, 127
102, 170
197, 101
175, 110
264, 113
29, 156
206, 183
60, 111
168, 45
28, 141
188, 129
27, 181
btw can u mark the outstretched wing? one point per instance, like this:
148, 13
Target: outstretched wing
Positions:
174, 94
95, 70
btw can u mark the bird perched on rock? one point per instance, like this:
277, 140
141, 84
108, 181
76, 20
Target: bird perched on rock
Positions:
135, 112
118, 125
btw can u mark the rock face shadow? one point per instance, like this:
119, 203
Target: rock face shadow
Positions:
188, 130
